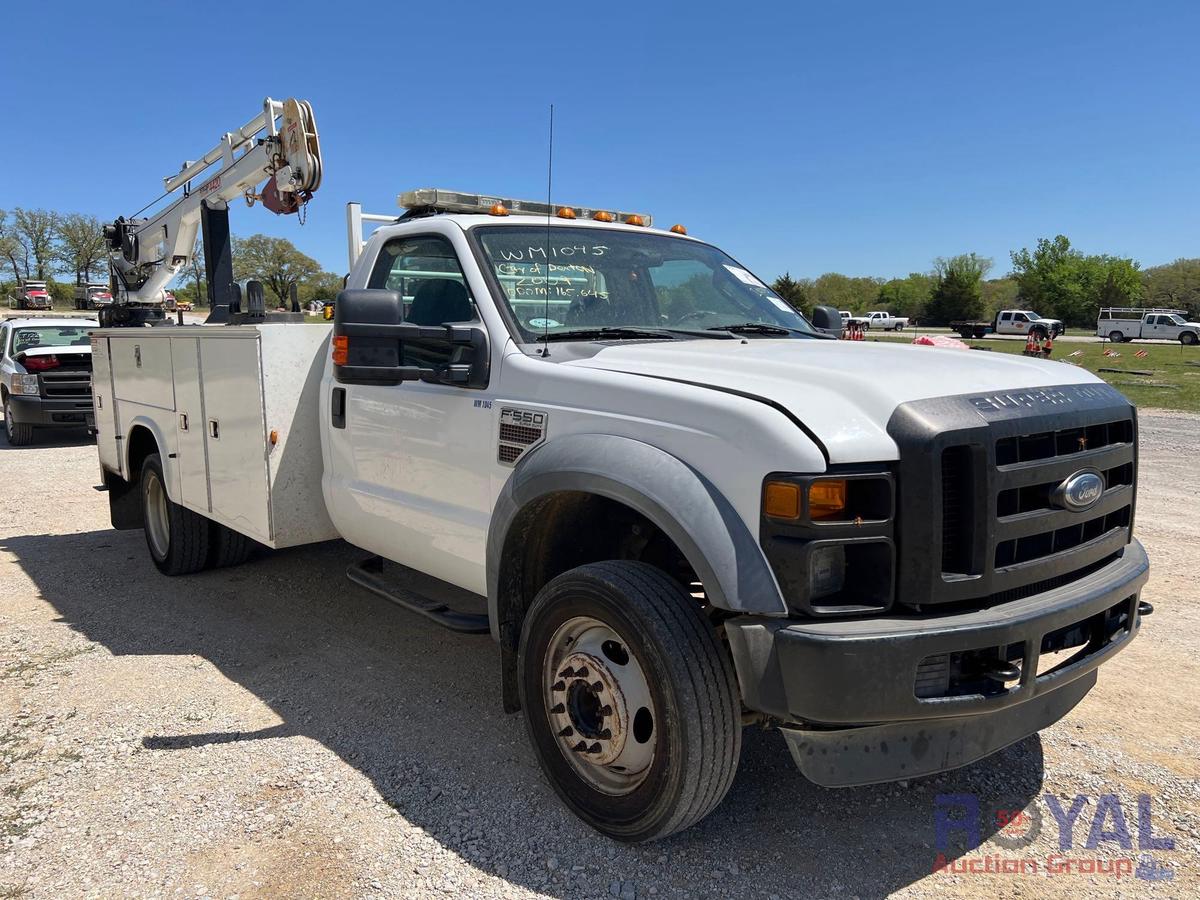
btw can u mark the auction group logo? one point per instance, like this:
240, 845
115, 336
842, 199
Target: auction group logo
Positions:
962, 820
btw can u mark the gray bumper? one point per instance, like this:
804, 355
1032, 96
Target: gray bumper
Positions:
853, 691
51, 413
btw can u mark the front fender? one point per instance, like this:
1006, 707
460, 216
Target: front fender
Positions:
667, 491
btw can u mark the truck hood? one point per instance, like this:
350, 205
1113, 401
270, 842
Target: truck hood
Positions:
844, 392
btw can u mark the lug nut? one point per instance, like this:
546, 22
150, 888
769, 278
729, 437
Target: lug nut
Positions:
581, 672
581, 747
558, 708
558, 686
566, 732
605, 735
605, 710
597, 685
595, 748
568, 672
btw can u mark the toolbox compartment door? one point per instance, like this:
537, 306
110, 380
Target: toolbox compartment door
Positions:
235, 434
191, 463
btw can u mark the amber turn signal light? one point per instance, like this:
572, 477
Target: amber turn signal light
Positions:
826, 499
781, 500
341, 350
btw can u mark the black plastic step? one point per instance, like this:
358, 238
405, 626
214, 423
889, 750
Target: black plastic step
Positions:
369, 574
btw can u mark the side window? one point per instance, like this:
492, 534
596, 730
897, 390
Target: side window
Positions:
426, 273
1005, 317
1020, 317
3, 341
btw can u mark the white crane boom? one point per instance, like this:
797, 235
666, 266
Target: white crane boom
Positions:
280, 145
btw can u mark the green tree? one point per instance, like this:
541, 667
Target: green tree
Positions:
37, 229
1175, 285
957, 293
856, 294
998, 294
81, 245
791, 290
13, 247
274, 261
1055, 279
907, 297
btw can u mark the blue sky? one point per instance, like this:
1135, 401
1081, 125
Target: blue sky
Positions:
866, 138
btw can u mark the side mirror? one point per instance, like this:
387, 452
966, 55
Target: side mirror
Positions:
827, 319
372, 344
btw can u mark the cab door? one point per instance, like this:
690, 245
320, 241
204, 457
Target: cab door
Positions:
408, 473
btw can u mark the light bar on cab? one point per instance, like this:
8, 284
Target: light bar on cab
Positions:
458, 202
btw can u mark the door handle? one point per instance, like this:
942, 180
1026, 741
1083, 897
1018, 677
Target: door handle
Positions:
183, 422
337, 408
214, 429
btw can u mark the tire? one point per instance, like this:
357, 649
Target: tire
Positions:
178, 539
19, 434
1038, 334
1187, 338
1116, 337
227, 547
630, 625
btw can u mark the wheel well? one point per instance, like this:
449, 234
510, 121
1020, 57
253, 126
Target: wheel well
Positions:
560, 531
141, 445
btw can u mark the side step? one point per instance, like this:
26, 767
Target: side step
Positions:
369, 574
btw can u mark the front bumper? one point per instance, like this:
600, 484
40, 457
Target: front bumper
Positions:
55, 413
845, 687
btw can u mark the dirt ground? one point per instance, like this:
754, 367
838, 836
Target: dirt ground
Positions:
272, 730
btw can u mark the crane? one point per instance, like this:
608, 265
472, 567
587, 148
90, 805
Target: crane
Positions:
279, 145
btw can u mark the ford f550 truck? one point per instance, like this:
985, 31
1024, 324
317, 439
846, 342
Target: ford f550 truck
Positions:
683, 509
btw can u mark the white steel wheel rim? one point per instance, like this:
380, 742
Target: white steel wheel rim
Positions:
158, 523
599, 706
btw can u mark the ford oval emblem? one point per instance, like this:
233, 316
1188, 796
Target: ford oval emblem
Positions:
1079, 491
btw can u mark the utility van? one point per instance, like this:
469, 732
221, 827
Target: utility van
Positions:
683, 509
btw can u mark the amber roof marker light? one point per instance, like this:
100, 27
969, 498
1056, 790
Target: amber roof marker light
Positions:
498, 209
678, 229
602, 216
565, 212
635, 220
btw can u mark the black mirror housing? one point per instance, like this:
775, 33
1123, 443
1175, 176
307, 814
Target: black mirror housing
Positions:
827, 319
370, 324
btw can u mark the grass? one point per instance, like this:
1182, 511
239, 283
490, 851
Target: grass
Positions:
1174, 385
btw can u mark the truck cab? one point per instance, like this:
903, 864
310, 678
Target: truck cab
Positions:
681, 507
1024, 321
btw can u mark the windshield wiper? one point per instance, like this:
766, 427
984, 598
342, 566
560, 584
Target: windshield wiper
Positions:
614, 333
755, 328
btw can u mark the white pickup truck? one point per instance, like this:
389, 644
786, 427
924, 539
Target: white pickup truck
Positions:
883, 321
683, 510
1122, 324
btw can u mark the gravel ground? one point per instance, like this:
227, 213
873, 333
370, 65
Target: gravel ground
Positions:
271, 730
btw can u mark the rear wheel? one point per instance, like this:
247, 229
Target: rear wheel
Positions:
1117, 337
629, 700
228, 547
178, 538
19, 434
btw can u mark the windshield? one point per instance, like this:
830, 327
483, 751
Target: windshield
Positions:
563, 279
49, 336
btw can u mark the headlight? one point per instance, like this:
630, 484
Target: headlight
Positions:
23, 384
830, 540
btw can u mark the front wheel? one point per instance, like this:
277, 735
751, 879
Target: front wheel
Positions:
629, 699
1187, 338
19, 434
178, 538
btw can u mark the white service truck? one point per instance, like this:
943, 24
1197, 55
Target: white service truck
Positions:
682, 509
1124, 324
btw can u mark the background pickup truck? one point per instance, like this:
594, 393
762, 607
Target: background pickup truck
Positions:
1124, 325
883, 321
1011, 321
675, 507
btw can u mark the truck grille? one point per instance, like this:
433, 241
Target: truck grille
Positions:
983, 499
73, 379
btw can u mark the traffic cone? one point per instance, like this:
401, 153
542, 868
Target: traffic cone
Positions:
1048, 347
1029, 346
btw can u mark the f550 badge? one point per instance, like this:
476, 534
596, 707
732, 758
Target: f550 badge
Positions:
520, 430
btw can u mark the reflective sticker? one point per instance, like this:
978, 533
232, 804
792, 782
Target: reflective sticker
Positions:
544, 323
743, 276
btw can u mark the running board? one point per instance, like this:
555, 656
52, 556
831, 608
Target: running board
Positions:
369, 574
